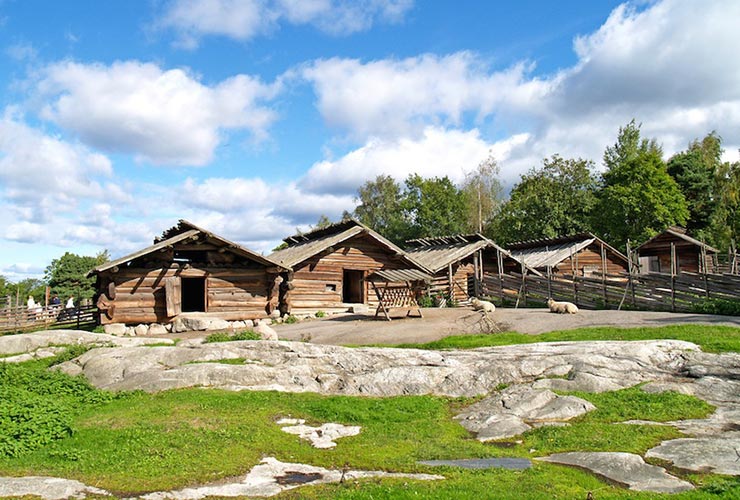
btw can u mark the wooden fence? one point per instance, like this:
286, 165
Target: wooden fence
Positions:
655, 291
19, 319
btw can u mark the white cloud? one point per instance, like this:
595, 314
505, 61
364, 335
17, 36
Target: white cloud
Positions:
41, 175
438, 152
246, 19
671, 65
388, 97
163, 116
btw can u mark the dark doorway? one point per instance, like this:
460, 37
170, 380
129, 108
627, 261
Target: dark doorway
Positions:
352, 287
193, 295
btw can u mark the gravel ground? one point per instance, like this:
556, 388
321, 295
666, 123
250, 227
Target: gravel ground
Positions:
348, 329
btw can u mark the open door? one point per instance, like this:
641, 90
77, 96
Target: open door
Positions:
173, 296
353, 287
193, 295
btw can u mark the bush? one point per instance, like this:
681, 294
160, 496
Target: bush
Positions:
225, 337
38, 406
320, 314
426, 301
718, 306
290, 320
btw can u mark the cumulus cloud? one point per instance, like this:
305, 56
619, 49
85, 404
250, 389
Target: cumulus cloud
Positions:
389, 97
438, 152
671, 65
42, 174
246, 19
163, 116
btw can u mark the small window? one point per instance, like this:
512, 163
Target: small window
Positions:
654, 264
330, 287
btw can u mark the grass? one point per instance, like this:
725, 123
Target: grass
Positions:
136, 442
226, 337
709, 338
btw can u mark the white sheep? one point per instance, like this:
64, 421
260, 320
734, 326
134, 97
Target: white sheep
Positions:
482, 305
562, 307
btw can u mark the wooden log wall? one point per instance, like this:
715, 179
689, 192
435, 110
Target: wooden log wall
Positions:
318, 281
590, 259
655, 291
140, 297
461, 272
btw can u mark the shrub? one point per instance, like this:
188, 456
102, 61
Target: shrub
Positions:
225, 337
426, 301
38, 406
320, 314
290, 320
718, 306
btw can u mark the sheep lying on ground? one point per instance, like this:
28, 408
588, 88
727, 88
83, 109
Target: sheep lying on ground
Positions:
562, 307
482, 305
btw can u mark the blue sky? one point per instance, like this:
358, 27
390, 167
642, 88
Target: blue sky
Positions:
255, 117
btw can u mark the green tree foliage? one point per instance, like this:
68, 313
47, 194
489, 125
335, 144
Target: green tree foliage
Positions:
638, 198
433, 207
483, 193
725, 221
67, 275
22, 289
695, 170
554, 200
418, 208
380, 208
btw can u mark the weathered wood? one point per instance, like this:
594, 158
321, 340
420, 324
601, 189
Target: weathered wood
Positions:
173, 292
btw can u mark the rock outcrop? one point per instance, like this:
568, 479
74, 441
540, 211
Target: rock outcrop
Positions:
625, 469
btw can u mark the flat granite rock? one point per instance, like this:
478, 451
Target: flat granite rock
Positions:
30, 342
272, 477
482, 463
624, 469
718, 455
48, 488
324, 369
519, 408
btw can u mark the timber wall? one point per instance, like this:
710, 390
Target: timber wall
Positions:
589, 260
318, 281
231, 293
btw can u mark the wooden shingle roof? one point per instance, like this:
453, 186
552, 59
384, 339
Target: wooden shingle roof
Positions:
680, 233
550, 252
184, 231
439, 252
303, 246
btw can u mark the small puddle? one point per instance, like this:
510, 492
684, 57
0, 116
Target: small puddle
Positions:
294, 477
483, 463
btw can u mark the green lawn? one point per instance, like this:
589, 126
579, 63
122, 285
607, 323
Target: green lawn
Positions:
135, 442
709, 338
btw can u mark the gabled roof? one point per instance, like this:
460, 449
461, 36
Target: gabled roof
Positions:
439, 252
183, 231
306, 245
680, 233
545, 253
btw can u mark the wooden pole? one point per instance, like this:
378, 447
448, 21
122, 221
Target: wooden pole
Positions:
673, 277
449, 278
500, 263
603, 275
549, 282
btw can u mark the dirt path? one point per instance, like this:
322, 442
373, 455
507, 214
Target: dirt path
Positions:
439, 323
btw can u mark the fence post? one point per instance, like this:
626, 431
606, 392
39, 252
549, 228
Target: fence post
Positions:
603, 276
549, 282
78, 316
673, 277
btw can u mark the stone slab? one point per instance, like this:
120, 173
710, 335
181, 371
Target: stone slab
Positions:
624, 469
47, 488
718, 455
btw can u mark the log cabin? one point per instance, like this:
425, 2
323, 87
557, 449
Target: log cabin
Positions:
689, 254
332, 268
458, 263
187, 269
581, 254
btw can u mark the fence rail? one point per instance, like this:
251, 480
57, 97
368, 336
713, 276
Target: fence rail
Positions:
16, 319
655, 291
